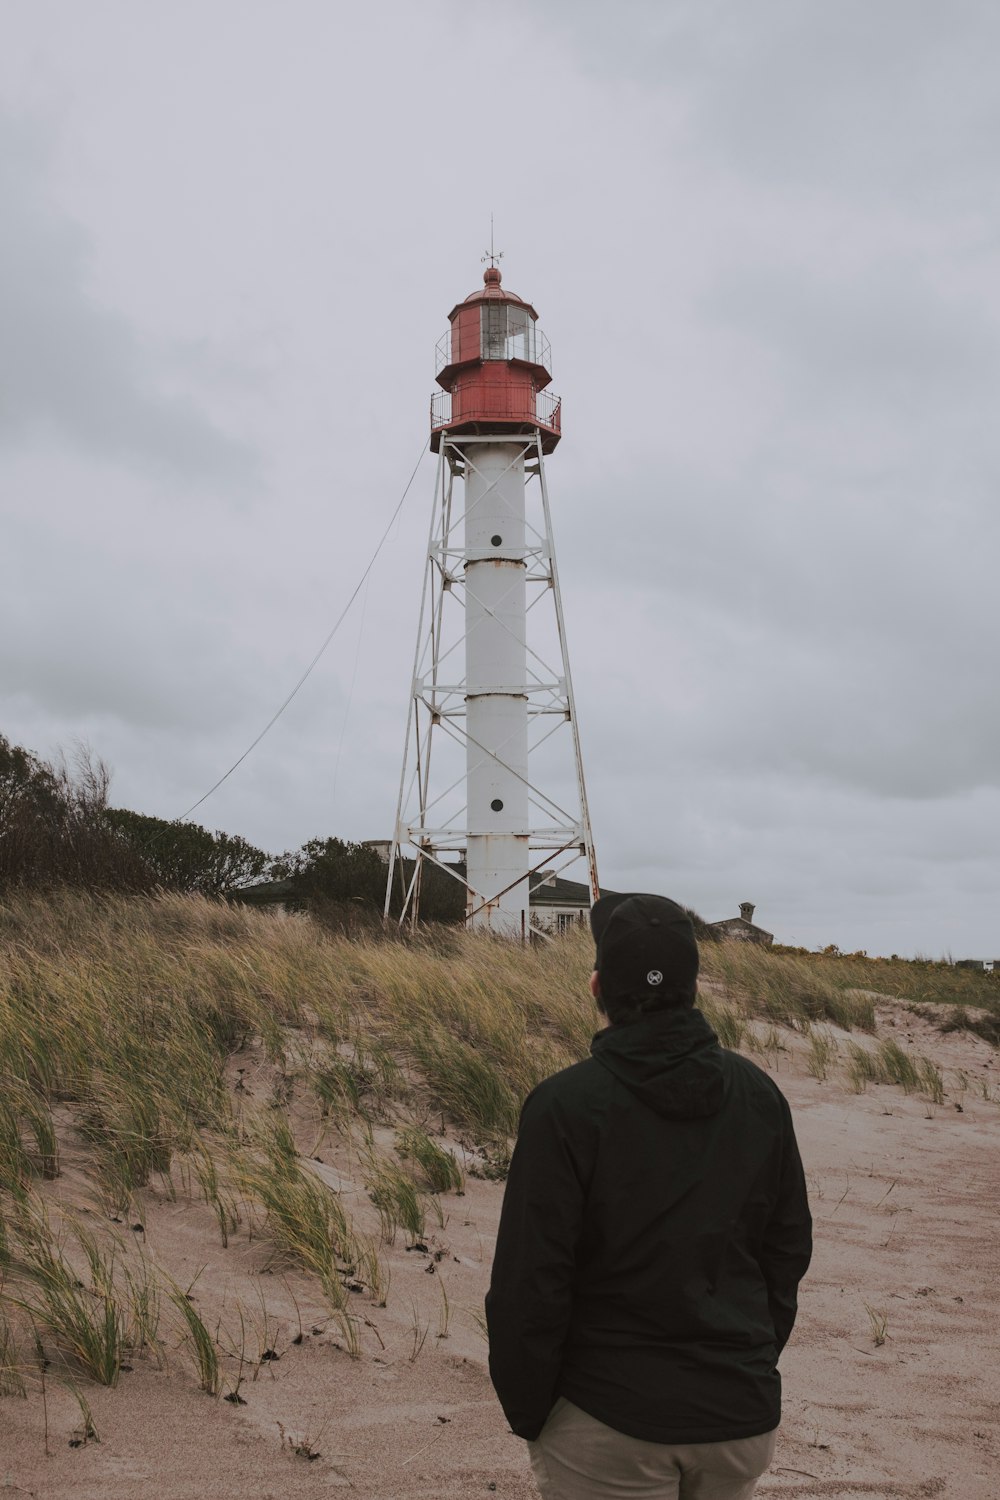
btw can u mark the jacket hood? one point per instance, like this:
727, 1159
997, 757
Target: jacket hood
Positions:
670, 1059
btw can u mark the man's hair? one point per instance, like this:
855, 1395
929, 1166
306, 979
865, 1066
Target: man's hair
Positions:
647, 956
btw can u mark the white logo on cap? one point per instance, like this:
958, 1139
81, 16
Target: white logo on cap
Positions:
654, 977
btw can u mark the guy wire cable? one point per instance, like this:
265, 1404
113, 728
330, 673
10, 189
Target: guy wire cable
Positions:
339, 621
350, 700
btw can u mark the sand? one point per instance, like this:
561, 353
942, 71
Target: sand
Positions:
905, 1199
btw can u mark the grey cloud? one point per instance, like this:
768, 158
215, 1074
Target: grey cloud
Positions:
821, 866
884, 338
883, 733
892, 98
869, 709
73, 370
98, 652
896, 98
831, 581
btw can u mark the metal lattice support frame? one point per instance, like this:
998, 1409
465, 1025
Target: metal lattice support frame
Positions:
507, 473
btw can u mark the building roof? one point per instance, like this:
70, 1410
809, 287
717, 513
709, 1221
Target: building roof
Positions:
729, 923
558, 892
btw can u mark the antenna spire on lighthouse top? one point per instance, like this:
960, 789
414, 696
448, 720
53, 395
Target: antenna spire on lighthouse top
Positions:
492, 256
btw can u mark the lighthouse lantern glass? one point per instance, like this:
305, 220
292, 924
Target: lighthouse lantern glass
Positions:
508, 332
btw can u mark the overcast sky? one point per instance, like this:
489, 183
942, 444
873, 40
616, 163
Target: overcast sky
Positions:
763, 240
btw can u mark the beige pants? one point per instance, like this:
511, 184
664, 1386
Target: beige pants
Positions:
576, 1457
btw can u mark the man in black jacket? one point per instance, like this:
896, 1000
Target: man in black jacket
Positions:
654, 1231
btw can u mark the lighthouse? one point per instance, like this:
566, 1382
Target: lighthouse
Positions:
492, 788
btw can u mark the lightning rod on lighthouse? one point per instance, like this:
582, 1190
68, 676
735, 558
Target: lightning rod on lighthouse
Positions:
492, 789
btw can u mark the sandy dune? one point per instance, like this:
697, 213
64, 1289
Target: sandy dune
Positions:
905, 1197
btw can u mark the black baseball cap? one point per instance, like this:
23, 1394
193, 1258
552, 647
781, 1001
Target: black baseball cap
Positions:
645, 947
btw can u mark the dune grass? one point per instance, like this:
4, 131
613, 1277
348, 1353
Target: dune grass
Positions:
841, 988
790, 989
878, 1323
206, 1355
889, 1063
396, 1196
12, 1381
436, 1166
822, 1053
305, 1219
126, 1024
90, 1321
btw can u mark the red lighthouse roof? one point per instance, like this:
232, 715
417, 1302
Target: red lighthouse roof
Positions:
492, 291
493, 367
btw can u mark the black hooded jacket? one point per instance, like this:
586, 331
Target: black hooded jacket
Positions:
654, 1230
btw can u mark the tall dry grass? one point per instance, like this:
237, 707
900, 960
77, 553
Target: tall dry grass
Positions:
121, 1019
787, 988
798, 987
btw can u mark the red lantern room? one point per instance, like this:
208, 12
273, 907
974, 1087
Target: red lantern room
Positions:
492, 367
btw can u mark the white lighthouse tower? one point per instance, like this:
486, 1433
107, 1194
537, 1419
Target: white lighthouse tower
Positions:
492, 790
